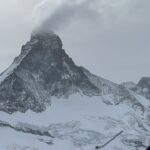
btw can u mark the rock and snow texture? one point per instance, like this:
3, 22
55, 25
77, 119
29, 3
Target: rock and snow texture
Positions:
78, 123
42, 70
142, 88
49, 103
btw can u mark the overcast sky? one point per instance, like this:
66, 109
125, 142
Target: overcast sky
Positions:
111, 38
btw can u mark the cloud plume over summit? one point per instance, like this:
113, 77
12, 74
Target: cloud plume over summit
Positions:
54, 15
63, 13
110, 37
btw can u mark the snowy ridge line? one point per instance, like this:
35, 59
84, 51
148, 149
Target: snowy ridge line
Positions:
16, 62
26, 129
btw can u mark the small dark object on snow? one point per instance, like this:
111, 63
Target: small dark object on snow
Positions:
97, 147
113, 138
148, 148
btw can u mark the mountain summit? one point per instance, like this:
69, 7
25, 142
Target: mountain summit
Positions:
42, 70
86, 112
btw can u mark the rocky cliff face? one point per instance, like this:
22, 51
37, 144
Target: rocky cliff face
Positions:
43, 70
144, 87
95, 112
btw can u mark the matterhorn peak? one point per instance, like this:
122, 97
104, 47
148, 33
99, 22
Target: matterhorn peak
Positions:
64, 98
47, 38
42, 70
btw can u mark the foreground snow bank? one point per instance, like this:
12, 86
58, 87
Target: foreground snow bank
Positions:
77, 123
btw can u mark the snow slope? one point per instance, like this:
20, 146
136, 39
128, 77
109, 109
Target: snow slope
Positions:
77, 123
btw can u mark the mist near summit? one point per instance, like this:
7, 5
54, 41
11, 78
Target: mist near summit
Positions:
109, 37
64, 13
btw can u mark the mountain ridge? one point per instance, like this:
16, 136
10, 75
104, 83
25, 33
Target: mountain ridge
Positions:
44, 66
51, 103
43, 69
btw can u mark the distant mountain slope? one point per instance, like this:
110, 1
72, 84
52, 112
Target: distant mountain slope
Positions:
142, 88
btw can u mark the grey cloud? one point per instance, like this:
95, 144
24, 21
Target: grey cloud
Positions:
109, 37
67, 13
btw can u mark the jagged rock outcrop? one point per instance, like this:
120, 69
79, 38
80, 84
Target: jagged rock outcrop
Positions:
144, 87
43, 70
87, 111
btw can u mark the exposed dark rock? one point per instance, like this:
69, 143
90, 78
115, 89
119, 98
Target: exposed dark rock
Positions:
144, 85
42, 70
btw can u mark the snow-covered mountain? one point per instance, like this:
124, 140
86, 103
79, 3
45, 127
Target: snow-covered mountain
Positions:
47, 102
142, 88
42, 70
